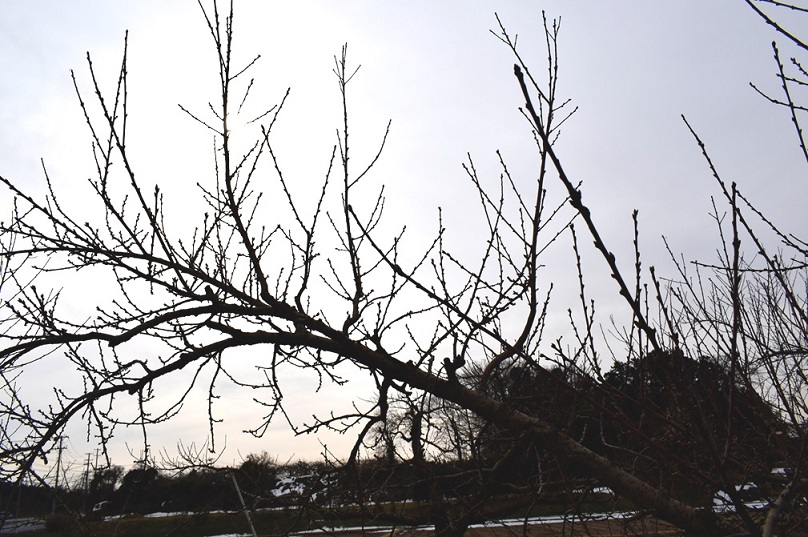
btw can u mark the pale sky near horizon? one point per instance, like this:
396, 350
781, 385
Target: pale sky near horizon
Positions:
632, 67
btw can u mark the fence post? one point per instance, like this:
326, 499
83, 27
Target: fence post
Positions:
243, 505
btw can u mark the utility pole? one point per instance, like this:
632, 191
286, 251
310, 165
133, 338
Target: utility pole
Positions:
86, 483
87, 474
58, 471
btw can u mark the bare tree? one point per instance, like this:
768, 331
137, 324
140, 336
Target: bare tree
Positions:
314, 281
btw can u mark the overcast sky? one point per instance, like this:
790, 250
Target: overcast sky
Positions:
631, 67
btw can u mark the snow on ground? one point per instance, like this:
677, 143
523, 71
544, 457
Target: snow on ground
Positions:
722, 502
290, 485
21, 525
498, 523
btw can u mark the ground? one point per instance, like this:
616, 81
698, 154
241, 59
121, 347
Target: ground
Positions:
599, 528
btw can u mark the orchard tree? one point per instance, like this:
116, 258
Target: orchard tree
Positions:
316, 282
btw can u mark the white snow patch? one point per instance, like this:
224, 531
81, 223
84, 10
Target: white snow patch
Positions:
723, 504
289, 485
162, 514
500, 523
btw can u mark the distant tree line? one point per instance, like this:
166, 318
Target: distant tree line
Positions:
146, 489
